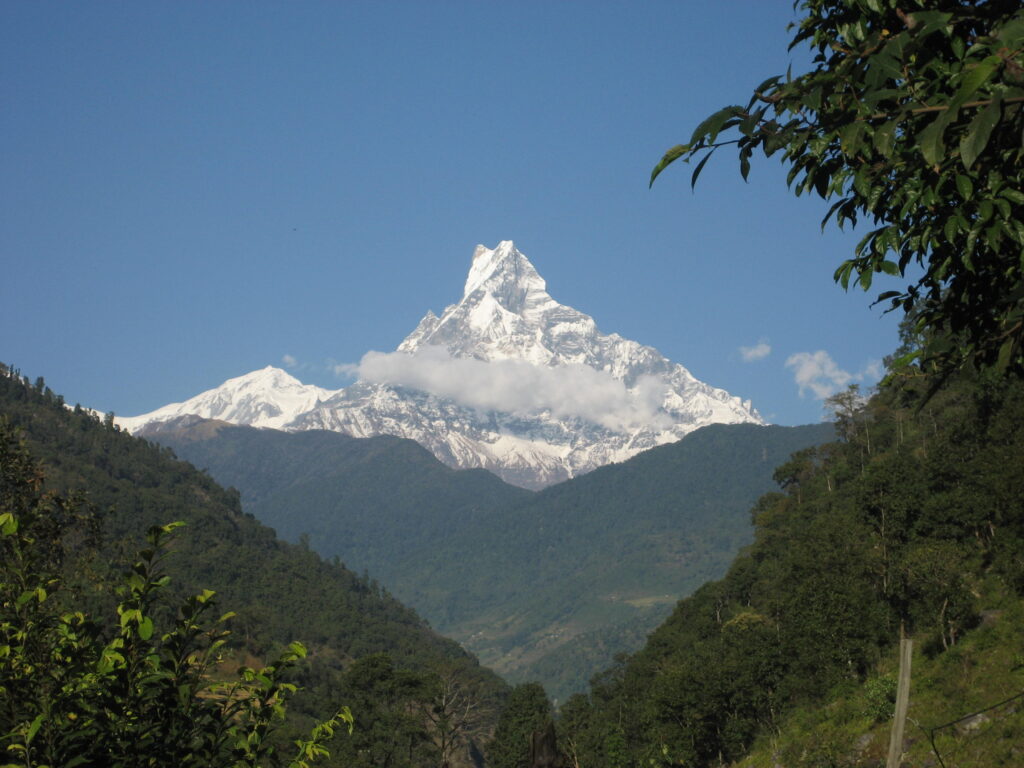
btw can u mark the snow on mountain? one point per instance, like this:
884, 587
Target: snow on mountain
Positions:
507, 379
265, 398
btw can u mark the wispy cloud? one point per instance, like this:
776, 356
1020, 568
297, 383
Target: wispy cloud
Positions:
516, 386
289, 361
819, 374
759, 351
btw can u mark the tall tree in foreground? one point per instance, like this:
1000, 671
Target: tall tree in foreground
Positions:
912, 118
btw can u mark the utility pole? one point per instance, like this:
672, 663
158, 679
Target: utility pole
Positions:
902, 701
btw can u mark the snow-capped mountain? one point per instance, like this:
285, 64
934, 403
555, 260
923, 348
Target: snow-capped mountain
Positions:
265, 398
507, 379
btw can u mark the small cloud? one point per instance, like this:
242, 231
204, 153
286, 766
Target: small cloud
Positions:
289, 361
873, 371
759, 351
818, 373
344, 370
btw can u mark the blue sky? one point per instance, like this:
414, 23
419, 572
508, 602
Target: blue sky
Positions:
195, 190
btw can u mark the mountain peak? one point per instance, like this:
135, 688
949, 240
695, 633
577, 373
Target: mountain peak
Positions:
506, 274
267, 397
506, 378
267, 375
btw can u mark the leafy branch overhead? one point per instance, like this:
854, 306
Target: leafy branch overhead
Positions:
911, 119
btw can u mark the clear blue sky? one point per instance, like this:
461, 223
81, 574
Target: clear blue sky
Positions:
194, 190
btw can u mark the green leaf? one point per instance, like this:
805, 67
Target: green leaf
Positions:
964, 185
850, 137
699, 168
978, 132
927, 22
745, 163
949, 229
885, 138
34, 728
974, 79
890, 268
1005, 355
1013, 195
930, 138
712, 124
146, 628
670, 157
1003, 206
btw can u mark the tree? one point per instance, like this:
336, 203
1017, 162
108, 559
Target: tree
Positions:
527, 710
137, 692
452, 711
911, 118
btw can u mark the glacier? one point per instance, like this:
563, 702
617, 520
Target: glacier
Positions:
506, 379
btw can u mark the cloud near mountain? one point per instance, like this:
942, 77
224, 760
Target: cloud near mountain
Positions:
564, 391
506, 379
819, 374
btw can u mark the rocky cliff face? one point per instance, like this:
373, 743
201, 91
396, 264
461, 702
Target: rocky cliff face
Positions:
506, 379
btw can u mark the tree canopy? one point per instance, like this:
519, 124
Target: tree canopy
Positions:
911, 118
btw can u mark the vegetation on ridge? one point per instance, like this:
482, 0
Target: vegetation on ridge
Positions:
913, 517
280, 592
544, 585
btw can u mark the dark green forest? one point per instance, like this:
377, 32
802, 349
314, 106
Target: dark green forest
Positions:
365, 649
909, 522
913, 518
542, 585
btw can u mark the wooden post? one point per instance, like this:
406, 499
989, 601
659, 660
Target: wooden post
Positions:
902, 701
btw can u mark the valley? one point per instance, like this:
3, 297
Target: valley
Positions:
519, 578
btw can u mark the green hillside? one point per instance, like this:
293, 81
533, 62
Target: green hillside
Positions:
362, 641
370, 501
548, 585
913, 519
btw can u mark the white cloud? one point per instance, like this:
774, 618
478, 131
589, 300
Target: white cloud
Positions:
516, 386
289, 361
759, 351
344, 370
819, 374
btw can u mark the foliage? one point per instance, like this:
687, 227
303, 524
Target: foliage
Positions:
413, 717
902, 522
75, 692
596, 561
880, 698
527, 710
982, 670
280, 592
911, 118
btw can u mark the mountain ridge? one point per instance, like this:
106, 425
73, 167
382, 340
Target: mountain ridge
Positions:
539, 584
506, 379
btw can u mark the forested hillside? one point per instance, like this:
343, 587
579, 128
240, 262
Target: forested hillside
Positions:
542, 586
913, 518
371, 501
366, 649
